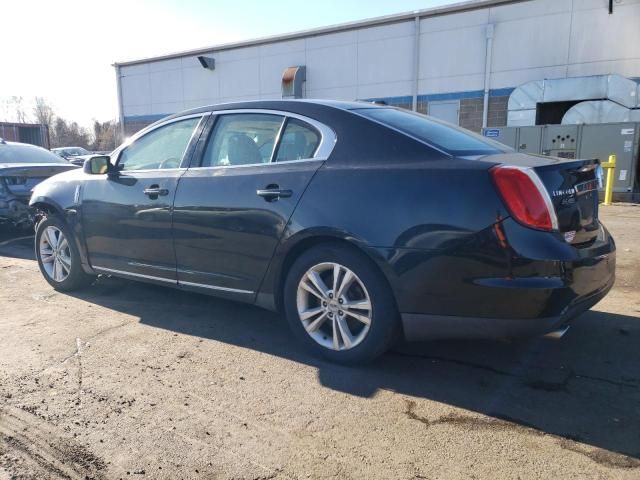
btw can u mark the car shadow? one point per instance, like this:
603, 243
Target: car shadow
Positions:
16, 243
583, 388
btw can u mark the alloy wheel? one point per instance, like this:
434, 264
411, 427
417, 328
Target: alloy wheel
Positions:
334, 306
55, 254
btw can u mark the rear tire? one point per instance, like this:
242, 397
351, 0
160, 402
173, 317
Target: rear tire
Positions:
350, 320
58, 257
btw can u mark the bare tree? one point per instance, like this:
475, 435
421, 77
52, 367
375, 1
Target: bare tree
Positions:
12, 109
18, 108
104, 135
62, 133
43, 112
68, 134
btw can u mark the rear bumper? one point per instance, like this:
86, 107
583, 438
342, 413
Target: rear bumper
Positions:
532, 285
433, 327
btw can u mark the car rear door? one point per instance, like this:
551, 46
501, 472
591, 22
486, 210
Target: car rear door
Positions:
233, 204
126, 216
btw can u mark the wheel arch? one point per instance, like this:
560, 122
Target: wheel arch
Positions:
301, 243
47, 206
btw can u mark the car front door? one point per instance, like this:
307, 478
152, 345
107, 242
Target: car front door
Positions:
126, 215
232, 206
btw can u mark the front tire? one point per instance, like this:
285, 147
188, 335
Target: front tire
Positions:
58, 257
339, 305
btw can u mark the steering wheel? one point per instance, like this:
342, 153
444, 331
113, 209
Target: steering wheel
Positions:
170, 163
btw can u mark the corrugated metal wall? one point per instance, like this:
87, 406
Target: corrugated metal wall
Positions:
532, 40
32, 133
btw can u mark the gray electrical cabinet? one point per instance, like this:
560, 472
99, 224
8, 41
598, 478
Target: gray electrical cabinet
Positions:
619, 139
529, 139
560, 141
583, 141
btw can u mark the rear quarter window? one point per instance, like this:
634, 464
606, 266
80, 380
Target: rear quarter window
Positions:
453, 140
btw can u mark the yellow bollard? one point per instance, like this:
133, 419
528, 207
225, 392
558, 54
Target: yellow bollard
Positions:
608, 190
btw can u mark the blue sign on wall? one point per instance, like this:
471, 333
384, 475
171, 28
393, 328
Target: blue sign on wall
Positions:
492, 132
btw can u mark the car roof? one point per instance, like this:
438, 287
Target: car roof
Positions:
283, 104
300, 106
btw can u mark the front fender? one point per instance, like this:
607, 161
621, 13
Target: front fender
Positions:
63, 198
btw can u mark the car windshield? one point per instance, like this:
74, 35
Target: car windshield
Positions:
12, 153
453, 140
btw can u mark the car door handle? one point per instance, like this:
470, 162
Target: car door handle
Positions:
273, 193
154, 191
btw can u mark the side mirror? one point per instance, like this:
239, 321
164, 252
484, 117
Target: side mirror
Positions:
98, 165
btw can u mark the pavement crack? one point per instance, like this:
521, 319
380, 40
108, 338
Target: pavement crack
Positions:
79, 357
74, 353
503, 422
601, 457
108, 329
410, 412
535, 384
606, 380
456, 361
470, 421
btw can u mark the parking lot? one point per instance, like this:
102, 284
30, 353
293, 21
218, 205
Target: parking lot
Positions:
126, 380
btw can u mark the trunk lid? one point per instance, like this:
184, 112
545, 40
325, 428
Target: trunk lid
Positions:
572, 186
21, 178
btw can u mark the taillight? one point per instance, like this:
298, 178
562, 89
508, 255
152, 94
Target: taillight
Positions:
525, 196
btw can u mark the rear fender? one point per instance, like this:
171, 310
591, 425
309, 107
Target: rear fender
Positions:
294, 244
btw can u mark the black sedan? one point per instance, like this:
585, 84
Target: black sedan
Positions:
22, 167
361, 223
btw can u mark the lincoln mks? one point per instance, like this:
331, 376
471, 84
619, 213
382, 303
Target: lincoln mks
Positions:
361, 223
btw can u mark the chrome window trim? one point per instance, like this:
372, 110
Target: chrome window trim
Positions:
328, 137
203, 117
276, 143
217, 167
146, 170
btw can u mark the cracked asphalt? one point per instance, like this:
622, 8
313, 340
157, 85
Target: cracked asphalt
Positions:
126, 380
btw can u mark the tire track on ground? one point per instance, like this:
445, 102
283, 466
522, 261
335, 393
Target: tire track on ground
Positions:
29, 440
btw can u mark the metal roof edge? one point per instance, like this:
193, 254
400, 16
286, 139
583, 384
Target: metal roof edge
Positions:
467, 5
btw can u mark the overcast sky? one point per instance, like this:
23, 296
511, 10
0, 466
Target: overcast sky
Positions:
63, 50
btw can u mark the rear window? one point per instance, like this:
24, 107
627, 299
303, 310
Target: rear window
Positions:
12, 153
449, 138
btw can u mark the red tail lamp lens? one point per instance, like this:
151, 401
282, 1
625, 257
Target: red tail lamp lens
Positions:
523, 197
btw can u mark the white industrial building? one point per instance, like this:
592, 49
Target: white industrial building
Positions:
477, 63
